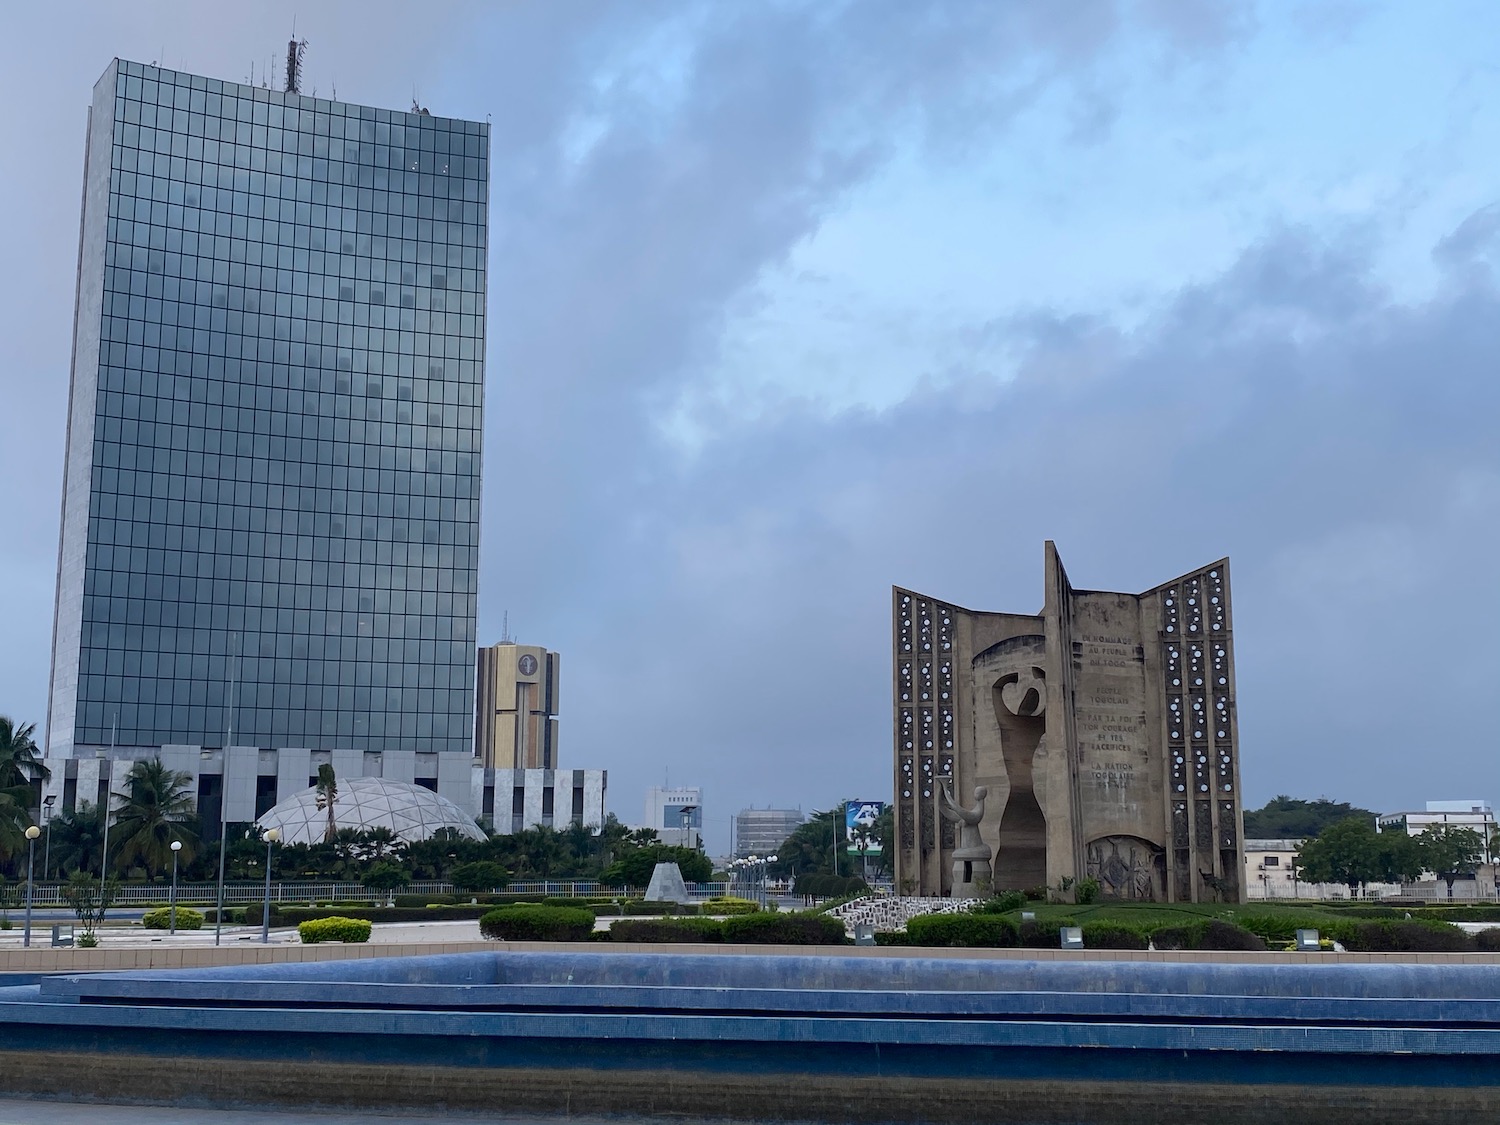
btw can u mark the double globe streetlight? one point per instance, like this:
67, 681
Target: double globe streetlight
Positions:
757, 865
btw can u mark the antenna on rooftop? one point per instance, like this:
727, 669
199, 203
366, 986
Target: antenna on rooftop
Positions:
295, 50
505, 637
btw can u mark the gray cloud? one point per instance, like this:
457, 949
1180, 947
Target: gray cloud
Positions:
725, 611
1338, 446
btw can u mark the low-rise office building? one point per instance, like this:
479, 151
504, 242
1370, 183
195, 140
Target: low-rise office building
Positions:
240, 784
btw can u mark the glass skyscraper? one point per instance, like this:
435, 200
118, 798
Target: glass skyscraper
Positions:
271, 499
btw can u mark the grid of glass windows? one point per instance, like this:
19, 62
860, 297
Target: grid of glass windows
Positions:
284, 508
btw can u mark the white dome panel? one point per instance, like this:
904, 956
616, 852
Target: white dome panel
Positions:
410, 811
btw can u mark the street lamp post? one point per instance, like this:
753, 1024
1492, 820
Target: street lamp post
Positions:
31, 834
47, 847
272, 835
176, 847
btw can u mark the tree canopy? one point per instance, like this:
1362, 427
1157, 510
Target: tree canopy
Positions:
21, 770
157, 809
1353, 853
1289, 818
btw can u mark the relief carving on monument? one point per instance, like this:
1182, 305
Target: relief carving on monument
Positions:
1018, 699
1128, 867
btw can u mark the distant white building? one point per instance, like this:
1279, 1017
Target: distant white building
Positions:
1271, 872
676, 814
1476, 815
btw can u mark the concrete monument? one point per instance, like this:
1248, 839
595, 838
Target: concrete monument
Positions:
667, 885
1102, 732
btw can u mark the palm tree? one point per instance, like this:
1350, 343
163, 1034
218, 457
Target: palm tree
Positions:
78, 838
20, 756
158, 808
328, 793
21, 769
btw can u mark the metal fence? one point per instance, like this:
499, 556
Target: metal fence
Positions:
153, 894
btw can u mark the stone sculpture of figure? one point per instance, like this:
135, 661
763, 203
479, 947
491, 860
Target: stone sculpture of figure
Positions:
971, 859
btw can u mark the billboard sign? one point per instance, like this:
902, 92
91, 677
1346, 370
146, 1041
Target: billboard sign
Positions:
859, 826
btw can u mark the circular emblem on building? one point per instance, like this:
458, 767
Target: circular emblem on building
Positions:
527, 664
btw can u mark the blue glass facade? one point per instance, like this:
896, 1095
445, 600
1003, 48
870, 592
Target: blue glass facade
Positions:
271, 511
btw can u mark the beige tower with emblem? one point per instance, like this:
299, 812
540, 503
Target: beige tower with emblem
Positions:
515, 707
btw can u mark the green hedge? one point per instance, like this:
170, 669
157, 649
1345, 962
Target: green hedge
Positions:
1402, 937
1113, 935
640, 907
294, 915
728, 905
1211, 933
791, 928
1281, 926
602, 904
162, 919
1043, 935
1003, 903
233, 915
667, 929
988, 931
347, 930
537, 923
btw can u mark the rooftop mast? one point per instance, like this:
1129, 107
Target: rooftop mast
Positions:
295, 49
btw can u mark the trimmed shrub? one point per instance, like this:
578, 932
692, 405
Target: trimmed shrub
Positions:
162, 919
1210, 933
1283, 926
977, 931
1112, 935
892, 937
537, 923
1227, 937
233, 916
1487, 941
667, 929
794, 927
347, 930
1002, 903
638, 906
1043, 935
1470, 914
1405, 937
1178, 937
1086, 891
729, 905
293, 915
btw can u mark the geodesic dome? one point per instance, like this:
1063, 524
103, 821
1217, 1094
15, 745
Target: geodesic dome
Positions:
410, 811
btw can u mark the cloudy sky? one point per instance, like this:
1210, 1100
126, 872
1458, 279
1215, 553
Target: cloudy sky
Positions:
793, 301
